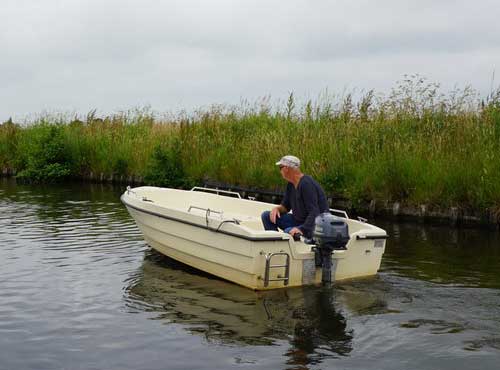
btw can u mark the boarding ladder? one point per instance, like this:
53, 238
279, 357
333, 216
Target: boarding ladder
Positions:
286, 266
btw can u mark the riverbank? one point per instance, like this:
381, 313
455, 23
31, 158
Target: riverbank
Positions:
416, 152
395, 211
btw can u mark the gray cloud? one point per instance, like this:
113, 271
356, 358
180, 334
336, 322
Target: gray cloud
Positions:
77, 55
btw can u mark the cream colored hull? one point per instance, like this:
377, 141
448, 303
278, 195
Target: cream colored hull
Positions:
192, 228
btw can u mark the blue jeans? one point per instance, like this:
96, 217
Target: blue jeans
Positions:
285, 222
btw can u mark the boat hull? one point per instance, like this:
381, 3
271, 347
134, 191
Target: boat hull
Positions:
240, 256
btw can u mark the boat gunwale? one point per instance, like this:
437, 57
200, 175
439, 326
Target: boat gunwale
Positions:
245, 237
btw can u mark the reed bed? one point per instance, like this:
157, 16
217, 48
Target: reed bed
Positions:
416, 145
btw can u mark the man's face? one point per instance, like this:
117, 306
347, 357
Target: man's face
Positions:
285, 171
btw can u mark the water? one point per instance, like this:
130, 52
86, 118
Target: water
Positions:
79, 289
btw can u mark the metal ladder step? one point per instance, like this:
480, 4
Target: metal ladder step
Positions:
286, 266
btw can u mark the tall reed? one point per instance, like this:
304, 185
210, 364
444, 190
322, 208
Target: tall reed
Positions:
416, 145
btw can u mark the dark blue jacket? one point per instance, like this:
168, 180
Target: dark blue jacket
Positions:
306, 202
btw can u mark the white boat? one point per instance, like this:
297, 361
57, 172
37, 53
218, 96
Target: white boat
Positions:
218, 233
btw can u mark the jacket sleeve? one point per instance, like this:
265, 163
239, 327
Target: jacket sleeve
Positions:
310, 198
286, 199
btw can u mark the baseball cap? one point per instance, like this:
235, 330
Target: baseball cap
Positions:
289, 161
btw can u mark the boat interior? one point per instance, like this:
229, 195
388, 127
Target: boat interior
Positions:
221, 205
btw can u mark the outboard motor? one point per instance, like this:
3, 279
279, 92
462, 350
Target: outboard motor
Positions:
330, 233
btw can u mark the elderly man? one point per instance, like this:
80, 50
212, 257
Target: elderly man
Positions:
304, 196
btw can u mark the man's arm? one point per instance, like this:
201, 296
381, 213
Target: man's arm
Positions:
284, 207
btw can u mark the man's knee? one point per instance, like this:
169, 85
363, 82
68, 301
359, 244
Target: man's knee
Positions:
266, 221
265, 216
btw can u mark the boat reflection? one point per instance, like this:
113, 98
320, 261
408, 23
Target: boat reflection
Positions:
310, 318
319, 330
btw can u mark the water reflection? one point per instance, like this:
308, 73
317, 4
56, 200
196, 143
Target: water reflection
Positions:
58, 202
309, 318
466, 257
320, 330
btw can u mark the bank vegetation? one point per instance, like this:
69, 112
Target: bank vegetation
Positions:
414, 146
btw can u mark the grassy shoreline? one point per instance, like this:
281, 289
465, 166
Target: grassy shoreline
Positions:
416, 146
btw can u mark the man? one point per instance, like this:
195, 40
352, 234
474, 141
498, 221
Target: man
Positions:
304, 196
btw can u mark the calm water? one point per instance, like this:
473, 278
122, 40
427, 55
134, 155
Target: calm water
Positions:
79, 289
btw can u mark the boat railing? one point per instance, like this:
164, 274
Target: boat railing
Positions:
344, 214
207, 210
339, 212
217, 191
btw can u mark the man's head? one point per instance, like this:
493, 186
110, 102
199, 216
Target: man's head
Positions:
289, 167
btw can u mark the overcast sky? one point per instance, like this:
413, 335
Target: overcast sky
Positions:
115, 55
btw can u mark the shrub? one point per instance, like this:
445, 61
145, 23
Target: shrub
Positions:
166, 169
42, 154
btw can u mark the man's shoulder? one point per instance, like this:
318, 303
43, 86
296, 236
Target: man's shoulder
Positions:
308, 184
307, 181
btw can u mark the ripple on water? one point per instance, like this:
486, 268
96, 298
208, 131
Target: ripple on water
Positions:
436, 326
483, 343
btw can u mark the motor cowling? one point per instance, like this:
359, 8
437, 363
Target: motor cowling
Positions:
330, 233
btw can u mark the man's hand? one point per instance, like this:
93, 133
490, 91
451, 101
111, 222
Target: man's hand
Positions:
294, 231
275, 212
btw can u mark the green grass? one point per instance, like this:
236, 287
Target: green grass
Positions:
415, 146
